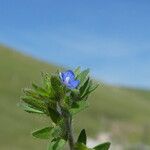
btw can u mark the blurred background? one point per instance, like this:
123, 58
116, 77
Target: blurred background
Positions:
112, 38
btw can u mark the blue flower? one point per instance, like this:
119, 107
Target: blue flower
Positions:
68, 78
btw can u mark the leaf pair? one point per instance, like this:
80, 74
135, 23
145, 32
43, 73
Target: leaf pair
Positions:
81, 146
82, 140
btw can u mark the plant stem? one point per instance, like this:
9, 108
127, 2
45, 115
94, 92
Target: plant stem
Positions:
70, 132
68, 127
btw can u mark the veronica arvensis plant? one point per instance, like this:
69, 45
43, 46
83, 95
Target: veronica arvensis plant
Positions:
60, 97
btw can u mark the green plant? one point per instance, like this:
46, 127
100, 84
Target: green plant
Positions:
60, 97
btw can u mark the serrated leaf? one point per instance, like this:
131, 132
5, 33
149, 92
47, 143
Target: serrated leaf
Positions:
44, 133
78, 106
57, 144
82, 137
103, 146
29, 109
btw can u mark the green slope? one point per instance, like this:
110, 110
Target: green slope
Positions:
123, 112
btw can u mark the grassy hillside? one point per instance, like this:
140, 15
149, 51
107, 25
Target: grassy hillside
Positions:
122, 112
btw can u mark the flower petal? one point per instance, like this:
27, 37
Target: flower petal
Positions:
68, 78
74, 83
69, 74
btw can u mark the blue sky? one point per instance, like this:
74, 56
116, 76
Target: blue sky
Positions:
110, 37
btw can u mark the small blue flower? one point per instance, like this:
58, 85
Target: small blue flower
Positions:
68, 78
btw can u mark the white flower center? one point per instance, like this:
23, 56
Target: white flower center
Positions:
67, 79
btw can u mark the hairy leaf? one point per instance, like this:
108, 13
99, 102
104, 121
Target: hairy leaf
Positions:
36, 95
44, 133
29, 109
35, 103
40, 90
57, 87
46, 81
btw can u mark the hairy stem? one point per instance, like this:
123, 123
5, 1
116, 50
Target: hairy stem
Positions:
70, 132
68, 127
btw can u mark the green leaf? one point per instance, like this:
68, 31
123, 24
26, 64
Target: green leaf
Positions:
35, 103
103, 146
46, 80
44, 133
29, 109
93, 87
83, 76
90, 88
57, 144
55, 116
40, 91
78, 106
74, 95
82, 137
77, 71
57, 132
81, 146
48, 132
57, 87
37, 95
84, 87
